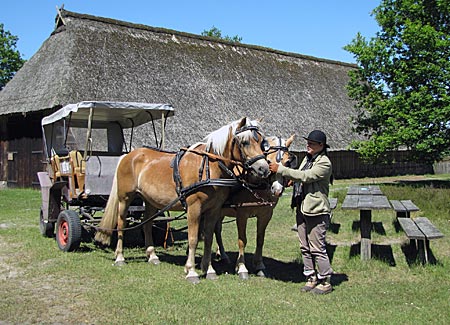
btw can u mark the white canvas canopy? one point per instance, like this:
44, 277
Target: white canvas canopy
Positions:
94, 116
127, 114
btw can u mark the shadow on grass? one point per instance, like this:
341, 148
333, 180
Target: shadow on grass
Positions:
334, 227
415, 253
376, 227
433, 183
380, 252
275, 269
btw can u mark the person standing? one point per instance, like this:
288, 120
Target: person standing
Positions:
313, 212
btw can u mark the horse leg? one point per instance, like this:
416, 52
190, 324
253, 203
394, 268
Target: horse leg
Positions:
221, 254
241, 269
193, 221
121, 224
210, 223
261, 224
148, 236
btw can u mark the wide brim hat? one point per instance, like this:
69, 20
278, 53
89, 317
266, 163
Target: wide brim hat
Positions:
317, 136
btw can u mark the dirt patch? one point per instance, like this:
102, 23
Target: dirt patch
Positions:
43, 299
7, 271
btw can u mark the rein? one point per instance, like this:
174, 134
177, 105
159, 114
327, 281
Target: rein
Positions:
213, 156
184, 192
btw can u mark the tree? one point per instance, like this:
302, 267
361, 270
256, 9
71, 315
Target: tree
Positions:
216, 33
402, 84
10, 60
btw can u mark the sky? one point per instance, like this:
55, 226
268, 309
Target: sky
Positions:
315, 28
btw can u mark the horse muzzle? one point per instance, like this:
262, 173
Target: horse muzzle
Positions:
258, 166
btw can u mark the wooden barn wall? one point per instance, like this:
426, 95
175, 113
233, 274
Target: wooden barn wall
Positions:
21, 151
22, 156
347, 164
3, 148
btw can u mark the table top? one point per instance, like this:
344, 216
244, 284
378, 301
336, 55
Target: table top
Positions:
366, 202
364, 190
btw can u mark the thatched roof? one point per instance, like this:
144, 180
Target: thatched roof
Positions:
209, 82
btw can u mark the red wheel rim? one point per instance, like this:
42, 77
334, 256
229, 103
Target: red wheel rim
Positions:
63, 232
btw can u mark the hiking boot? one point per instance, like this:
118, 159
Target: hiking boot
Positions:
323, 286
310, 284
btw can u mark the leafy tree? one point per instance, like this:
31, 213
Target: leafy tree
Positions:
216, 33
10, 60
402, 84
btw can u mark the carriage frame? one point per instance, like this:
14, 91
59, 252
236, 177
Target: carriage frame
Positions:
83, 143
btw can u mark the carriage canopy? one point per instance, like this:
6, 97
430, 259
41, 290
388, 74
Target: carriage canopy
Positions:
100, 125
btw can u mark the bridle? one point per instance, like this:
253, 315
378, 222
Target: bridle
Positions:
247, 162
280, 150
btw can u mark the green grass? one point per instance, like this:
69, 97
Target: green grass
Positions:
41, 284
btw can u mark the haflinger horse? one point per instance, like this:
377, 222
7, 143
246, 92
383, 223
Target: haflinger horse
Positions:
258, 202
197, 182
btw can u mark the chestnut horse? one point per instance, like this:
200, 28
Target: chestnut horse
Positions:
247, 203
189, 180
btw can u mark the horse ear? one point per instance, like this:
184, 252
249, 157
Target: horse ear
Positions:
290, 140
242, 122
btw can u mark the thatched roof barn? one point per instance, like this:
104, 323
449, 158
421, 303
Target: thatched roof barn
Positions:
209, 82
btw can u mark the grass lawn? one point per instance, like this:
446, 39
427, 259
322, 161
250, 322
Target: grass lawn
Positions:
41, 284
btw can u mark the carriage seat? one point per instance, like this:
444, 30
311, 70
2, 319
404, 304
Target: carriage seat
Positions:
78, 163
60, 165
78, 168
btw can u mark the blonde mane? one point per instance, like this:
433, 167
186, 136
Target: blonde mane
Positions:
217, 140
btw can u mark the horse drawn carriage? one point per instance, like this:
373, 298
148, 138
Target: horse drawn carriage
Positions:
90, 172
83, 143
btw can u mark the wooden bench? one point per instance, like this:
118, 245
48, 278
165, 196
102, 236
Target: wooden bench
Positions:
403, 208
333, 205
421, 230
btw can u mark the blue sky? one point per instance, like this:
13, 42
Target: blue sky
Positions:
316, 28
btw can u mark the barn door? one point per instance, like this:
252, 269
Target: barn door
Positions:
24, 159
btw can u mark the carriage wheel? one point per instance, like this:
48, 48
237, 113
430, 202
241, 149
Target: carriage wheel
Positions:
47, 229
68, 231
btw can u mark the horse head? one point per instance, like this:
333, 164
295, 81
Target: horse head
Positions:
277, 149
241, 141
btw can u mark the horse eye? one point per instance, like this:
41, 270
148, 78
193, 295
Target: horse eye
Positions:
265, 145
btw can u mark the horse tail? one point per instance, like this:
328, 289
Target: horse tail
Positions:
110, 216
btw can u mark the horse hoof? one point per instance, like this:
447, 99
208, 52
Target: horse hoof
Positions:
119, 263
154, 261
261, 274
211, 276
243, 275
193, 279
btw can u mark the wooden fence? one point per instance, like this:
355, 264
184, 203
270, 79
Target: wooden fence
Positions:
347, 164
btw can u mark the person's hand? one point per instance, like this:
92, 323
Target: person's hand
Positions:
273, 167
290, 183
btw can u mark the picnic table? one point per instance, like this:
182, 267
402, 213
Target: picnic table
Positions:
364, 190
365, 199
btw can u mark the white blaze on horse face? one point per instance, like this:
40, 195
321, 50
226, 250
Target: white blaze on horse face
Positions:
280, 156
277, 189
